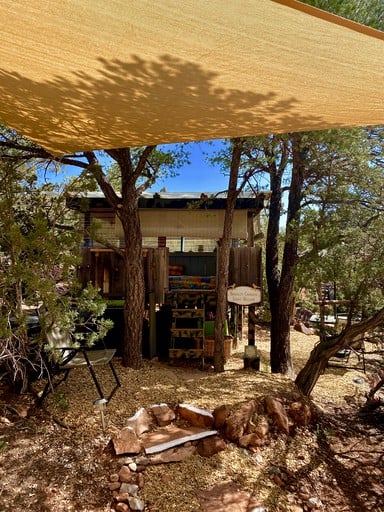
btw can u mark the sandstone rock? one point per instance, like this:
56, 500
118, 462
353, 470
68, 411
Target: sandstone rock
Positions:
211, 445
174, 455
122, 507
132, 466
196, 416
140, 480
300, 413
238, 421
126, 460
136, 504
314, 503
142, 461
127, 488
126, 441
220, 415
171, 436
251, 440
163, 414
140, 422
114, 486
277, 412
122, 497
125, 474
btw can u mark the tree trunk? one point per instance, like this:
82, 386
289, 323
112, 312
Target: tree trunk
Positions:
280, 334
281, 282
223, 259
280, 355
314, 367
134, 285
221, 306
320, 355
134, 280
126, 208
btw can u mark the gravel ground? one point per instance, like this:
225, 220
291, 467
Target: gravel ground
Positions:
59, 459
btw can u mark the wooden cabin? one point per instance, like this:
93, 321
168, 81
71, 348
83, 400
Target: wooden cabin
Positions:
181, 234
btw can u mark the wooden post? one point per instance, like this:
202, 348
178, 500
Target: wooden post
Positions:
251, 324
152, 325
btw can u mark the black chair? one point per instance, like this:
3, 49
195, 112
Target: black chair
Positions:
342, 357
65, 355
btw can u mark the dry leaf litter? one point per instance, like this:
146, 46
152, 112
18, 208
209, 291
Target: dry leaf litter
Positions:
60, 459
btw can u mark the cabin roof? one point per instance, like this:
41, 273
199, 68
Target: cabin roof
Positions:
176, 200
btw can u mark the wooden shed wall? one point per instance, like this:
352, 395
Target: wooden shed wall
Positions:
245, 266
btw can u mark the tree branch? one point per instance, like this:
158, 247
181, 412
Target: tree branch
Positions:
96, 170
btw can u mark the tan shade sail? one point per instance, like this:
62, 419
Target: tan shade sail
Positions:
91, 74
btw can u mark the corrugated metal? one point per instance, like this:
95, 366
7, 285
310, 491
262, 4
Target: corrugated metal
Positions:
194, 224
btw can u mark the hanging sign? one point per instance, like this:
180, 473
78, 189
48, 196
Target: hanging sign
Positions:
244, 295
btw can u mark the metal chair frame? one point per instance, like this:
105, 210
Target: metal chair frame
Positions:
67, 356
341, 358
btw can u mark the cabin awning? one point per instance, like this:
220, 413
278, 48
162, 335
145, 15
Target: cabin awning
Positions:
96, 74
207, 224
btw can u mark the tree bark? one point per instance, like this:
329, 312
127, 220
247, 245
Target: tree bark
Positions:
323, 351
134, 286
281, 282
127, 210
128, 213
223, 259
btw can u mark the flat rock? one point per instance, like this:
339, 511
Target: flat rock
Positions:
126, 441
163, 413
140, 422
177, 454
171, 436
196, 416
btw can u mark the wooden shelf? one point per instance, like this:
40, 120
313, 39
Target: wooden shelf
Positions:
187, 333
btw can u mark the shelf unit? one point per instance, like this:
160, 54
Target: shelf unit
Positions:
187, 333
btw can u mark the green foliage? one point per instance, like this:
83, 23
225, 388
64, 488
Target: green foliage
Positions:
115, 303
342, 228
370, 13
39, 244
161, 164
60, 400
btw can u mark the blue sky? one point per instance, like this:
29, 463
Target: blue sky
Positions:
199, 176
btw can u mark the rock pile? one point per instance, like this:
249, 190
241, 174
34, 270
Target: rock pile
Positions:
172, 433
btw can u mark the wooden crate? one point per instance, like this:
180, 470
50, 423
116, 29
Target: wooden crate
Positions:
185, 353
209, 347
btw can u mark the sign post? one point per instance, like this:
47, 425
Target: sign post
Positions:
247, 296
244, 295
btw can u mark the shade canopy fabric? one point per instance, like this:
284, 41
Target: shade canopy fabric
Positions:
91, 74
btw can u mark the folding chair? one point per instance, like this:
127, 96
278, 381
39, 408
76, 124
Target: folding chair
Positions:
341, 358
66, 356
